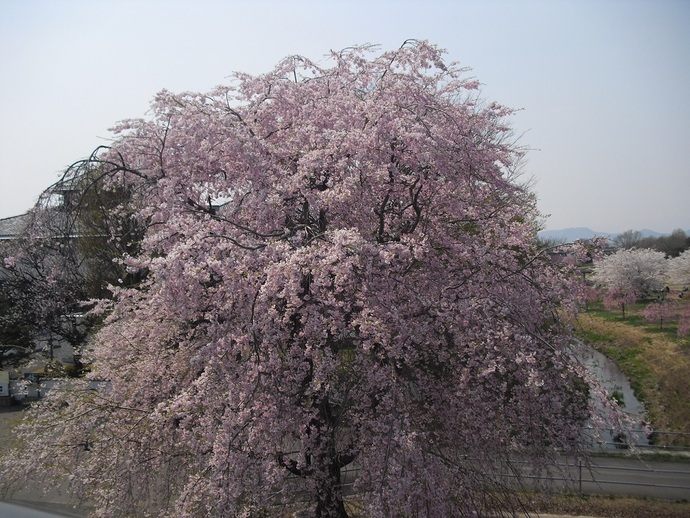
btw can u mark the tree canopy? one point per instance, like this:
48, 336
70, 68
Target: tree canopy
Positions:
679, 269
638, 272
339, 269
66, 253
672, 245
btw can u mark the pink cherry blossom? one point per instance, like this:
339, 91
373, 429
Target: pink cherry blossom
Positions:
341, 272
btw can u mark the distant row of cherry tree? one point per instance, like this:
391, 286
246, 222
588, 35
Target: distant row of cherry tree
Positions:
641, 274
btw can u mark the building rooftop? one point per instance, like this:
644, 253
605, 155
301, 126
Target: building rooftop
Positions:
11, 227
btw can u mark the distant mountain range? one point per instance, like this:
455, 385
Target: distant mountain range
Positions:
572, 234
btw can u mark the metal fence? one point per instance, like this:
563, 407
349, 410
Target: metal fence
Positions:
643, 440
612, 469
630, 476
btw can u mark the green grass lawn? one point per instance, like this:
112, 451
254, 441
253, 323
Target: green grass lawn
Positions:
655, 359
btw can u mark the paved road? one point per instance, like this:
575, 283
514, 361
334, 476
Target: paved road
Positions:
637, 477
628, 476
17, 510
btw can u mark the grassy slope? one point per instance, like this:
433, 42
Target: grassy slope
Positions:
657, 362
607, 507
562, 506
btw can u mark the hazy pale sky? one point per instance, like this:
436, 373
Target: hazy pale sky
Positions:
603, 85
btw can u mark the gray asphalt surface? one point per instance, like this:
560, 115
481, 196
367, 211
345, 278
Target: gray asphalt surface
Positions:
637, 477
622, 476
22, 510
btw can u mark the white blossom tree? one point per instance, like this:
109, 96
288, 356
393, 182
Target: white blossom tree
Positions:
630, 275
679, 269
679, 274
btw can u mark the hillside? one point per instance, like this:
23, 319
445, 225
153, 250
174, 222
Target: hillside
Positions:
571, 234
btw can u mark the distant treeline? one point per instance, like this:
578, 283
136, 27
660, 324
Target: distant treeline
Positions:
672, 245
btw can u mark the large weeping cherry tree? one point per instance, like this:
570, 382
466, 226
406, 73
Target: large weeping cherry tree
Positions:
341, 282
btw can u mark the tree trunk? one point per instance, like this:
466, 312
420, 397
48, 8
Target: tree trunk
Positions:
329, 502
329, 494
